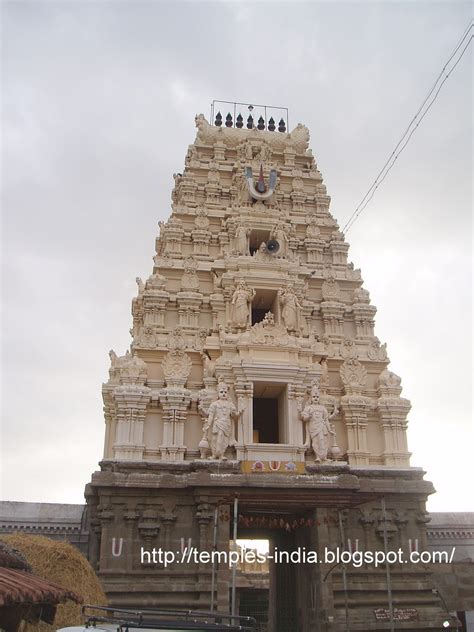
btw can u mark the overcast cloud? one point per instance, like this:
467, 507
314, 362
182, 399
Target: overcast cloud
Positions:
98, 107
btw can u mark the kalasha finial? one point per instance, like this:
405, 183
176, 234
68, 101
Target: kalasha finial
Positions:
250, 122
228, 120
271, 124
281, 126
261, 181
261, 123
218, 121
239, 121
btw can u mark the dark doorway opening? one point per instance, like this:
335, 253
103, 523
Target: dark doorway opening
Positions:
269, 412
264, 301
279, 605
256, 239
265, 420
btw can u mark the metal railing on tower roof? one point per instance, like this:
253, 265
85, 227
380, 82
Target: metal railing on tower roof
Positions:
261, 117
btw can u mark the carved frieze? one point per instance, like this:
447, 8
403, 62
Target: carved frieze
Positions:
267, 333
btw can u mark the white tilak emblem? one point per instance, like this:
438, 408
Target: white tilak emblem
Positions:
261, 192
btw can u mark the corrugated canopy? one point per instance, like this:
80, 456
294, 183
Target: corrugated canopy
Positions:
18, 587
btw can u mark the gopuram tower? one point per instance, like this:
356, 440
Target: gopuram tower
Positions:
255, 393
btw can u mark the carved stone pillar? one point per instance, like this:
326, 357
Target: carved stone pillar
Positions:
201, 239
175, 400
339, 251
333, 318
367, 520
187, 191
131, 403
212, 194
219, 151
289, 155
422, 518
244, 435
401, 520
204, 517
298, 199
364, 320
296, 434
131, 518
94, 543
106, 517
168, 520
314, 249
148, 530
354, 406
392, 411
188, 308
155, 308
218, 307
173, 235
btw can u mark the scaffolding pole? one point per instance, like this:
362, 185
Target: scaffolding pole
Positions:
234, 566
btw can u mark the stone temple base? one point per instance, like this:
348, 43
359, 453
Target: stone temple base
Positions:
135, 507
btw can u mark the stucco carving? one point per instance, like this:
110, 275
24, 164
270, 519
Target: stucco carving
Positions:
290, 308
281, 232
318, 429
267, 333
376, 351
242, 233
349, 349
353, 374
312, 229
176, 339
241, 298
330, 288
127, 369
361, 296
219, 427
209, 366
201, 220
176, 367
190, 279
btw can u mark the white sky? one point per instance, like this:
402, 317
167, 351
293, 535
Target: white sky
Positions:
98, 109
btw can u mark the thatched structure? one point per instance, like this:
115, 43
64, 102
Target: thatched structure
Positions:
62, 566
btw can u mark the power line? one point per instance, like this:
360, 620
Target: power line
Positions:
404, 140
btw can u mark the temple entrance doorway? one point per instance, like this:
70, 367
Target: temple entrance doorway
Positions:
276, 598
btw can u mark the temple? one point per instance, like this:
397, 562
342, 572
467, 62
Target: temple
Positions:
256, 396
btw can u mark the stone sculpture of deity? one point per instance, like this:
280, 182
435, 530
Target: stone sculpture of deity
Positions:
290, 308
242, 240
280, 233
219, 429
240, 301
318, 428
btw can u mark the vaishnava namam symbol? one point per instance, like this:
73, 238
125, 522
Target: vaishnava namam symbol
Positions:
261, 192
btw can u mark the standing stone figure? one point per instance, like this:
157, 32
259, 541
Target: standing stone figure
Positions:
240, 300
219, 428
289, 308
316, 416
280, 233
209, 367
242, 240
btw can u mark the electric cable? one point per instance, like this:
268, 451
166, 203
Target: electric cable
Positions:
394, 155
